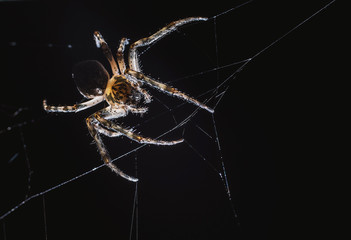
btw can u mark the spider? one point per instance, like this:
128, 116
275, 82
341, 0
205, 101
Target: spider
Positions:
122, 92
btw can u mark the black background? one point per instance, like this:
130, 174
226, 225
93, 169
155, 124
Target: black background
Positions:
275, 123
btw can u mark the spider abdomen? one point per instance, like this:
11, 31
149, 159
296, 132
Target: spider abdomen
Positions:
91, 78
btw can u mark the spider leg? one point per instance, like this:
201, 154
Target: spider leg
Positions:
91, 123
75, 108
110, 133
133, 54
112, 113
120, 56
167, 89
147, 96
97, 123
131, 135
137, 110
122, 67
100, 43
105, 131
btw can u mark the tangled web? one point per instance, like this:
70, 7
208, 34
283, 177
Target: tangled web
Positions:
53, 184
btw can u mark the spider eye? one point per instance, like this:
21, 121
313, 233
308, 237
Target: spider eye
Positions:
90, 77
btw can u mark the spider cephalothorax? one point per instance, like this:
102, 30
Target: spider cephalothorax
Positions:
122, 91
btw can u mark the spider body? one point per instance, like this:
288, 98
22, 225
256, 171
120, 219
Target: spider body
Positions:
122, 92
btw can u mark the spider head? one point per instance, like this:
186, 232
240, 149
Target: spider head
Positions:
91, 78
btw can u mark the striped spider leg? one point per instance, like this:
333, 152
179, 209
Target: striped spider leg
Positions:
75, 108
120, 54
101, 43
166, 89
122, 66
98, 123
133, 53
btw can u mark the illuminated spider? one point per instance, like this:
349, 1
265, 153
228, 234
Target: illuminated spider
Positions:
122, 91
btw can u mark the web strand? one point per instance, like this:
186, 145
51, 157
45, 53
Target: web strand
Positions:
27, 162
230, 10
216, 47
203, 158
135, 214
293, 29
208, 135
223, 174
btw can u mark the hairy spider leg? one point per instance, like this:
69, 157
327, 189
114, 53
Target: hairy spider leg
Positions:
75, 108
133, 53
100, 128
98, 123
100, 43
166, 89
105, 131
122, 67
120, 54
139, 110
94, 132
110, 113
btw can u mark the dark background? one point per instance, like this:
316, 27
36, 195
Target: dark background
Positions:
276, 123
